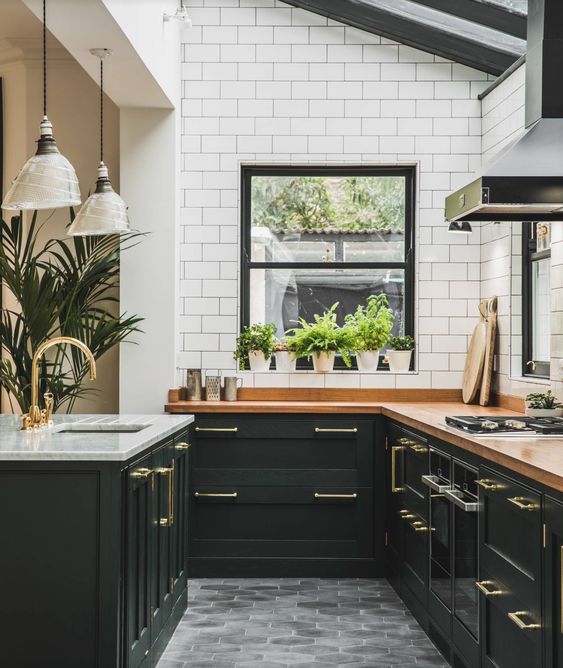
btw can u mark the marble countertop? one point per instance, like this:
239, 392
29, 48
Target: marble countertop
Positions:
51, 445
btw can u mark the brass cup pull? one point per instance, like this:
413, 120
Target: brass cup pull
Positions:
221, 495
487, 484
522, 503
484, 585
516, 617
335, 496
182, 446
231, 430
321, 430
394, 487
141, 473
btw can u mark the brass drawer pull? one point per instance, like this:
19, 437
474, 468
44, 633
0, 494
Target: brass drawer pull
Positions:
484, 585
335, 496
222, 495
322, 430
407, 516
394, 488
182, 446
406, 441
141, 473
231, 430
522, 503
168, 521
420, 527
520, 623
487, 484
418, 448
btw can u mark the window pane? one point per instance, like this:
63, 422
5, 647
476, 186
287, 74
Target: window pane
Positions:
541, 310
328, 218
282, 296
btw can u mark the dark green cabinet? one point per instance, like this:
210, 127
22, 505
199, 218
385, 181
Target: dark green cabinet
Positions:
282, 495
553, 582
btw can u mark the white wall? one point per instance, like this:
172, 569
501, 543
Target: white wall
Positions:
265, 83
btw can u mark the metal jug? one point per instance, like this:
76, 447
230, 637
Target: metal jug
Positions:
231, 387
193, 382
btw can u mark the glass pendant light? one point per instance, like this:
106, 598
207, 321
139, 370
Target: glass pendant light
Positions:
47, 180
104, 212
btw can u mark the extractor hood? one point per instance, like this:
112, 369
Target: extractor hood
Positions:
524, 182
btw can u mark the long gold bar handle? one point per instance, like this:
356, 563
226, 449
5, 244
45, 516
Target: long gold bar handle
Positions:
520, 623
486, 484
394, 450
182, 446
335, 496
168, 521
232, 430
223, 495
522, 503
484, 587
321, 430
141, 473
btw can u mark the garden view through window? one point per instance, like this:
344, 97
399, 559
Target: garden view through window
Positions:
316, 236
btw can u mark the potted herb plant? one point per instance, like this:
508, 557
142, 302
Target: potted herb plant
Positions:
256, 344
285, 358
539, 404
321, 340
399, 353
370, 327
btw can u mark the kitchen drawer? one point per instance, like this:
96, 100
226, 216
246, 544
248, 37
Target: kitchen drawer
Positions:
511, 532
281, 522
411, 453
256, 451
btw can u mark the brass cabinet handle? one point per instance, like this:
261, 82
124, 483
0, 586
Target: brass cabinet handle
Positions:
484, 585
222, 495
485, 483
418, 448
406, 441
394, 488
168, 521
520, 623
407, 516
413, 445
522, 503
317, 495
321, 430
420, 527
232, 430
182, 446
141, 473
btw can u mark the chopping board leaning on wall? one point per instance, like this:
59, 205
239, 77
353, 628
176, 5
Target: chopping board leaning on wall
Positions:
489, 352
475, 360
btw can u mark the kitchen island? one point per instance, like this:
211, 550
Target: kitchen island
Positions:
94, 540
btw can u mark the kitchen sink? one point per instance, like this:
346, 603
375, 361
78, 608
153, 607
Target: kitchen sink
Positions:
98, 428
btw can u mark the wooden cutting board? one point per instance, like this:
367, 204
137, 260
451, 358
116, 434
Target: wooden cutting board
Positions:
473, 372
489, 352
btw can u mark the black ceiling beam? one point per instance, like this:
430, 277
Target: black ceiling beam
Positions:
483, 12
484, 57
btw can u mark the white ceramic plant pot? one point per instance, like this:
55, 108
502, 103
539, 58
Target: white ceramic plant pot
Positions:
399, 360
285, 361
544, 412
367, 360
258, 362
323, 362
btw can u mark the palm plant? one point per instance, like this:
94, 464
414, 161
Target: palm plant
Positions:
58, 288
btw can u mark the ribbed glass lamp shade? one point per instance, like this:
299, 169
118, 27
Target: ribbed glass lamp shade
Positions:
46, 181
104, 212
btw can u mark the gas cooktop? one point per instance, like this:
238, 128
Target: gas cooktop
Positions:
499, 425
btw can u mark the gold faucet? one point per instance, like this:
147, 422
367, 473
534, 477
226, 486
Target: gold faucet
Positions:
36, 417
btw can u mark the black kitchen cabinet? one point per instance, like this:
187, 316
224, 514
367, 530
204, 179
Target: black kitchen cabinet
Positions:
281, 495
553, 582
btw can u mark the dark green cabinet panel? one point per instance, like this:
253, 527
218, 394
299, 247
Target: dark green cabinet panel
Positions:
553, 583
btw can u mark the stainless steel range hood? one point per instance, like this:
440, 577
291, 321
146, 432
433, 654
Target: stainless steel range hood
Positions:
525, 181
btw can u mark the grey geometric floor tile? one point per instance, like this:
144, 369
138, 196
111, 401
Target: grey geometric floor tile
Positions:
297, 623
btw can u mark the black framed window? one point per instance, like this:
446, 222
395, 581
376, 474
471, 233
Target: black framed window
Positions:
313, 236
536, 299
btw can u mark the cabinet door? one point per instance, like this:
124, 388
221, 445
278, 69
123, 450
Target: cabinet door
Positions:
180, 501
394, 511
553, 583
139, 481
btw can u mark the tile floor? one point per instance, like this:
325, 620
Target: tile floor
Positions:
247, 623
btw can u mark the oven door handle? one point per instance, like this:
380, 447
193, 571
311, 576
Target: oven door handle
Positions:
453, 496
432, 481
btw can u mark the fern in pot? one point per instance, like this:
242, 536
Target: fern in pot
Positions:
255, 344
370, 328
321, 340
399, 353
539, 404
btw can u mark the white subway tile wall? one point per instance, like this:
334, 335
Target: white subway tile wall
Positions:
267, 83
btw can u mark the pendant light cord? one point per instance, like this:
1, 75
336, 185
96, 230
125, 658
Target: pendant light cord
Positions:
44, 57
101, 109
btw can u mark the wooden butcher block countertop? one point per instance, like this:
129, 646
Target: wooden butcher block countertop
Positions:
540, 459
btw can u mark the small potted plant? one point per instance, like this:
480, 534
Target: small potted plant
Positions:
370, 327
539, 404
285, 358
256, 344
321, 340
399, 353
